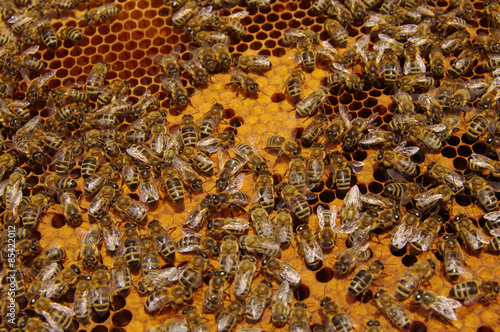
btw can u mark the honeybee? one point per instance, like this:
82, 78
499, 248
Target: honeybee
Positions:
399, 160
194, 320
250, 153
445, 129
282, 301
227, 173
284, 146
25, 60
192, 275
351, 206
334, 317
158, 279
199, 19
456, 41
229, 255
472, 291
309, 103
83, 299
197, 217
443, 305
131, 209
425, 137
150, 262
102, 201
149, 192
261, 221
314, 129
426, 233
453, 259
89, 251
295, 201
173, 184
283, 228
96, 77
436, 61
463, 62
216, 142
174, 326
254, 244
379, 137
364, 276
170, 296
344, 78
243, 82
433, 109
341, 170
47, 256
116, 89
202, 163
480, 123
394, 310
484, 165
104, 12
487, 43
281, 271
359, 229
413, 61
193, 241
337, 32
389, 65
403, 232
162, 240
214, 295
58, 286
469, 233
69, 33
294, 85
305, 54
316, 164
258, 300
259, 63
349, 258
131, 246
72, 212
230, 315
218, 226
210, 37
95, 182
483, 191
37, 87
222, 55
327, 55
410, 83
373, 325
58, 316
211, 120
292, 35
245, 273
197, 72
121, 278
414, 276
232, 23
309, 247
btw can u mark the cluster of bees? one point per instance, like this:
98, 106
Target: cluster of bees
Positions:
163, 161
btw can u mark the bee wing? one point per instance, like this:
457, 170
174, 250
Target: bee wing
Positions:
482, 161
401, 236
187, 232
236, 224
372, 139
63, 308
427, 197
346, 118
281, 294
437, 128
288, 273
240, 283
312, 252
195, 217
445, 307
454, 178
321, 217
135, 152
183, 168
348, 227
30, 50
51, 322
353, 197
148, 190
112, 239
236, 184
183, 11
362, 43
239, 15
424, 238
339, 68
210, 144
356, 166
396, 176
401, 148
492, 215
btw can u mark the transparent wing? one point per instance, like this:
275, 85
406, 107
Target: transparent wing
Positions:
289, 274
353, 197
482, 161
446, 307
427, 198
401, 236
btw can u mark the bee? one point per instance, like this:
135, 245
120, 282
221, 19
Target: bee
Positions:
92, 160
120, 276
337, 32
364, 276
58, 316
379, 137
282, 301
143, 154
89, 251
219, 226
62, 282
325, 235
25, 60
229, 255
210, 37
436, 61
250, 153
245, 273
456, 41
69, 33
295, 201
309, 247
316, 164
230, 315
403, 232
410, 83
193, 273
319, 6
341, 170
472, 291
232, 23
197, 217
425, 137
37, 87
453, 259
72, 212
394, 310
97, 181
211, 120
389, 66
102, 201
281, 271
351, 206
463, 62
373, 325
483, 192
334, 317
355, 128
173, 184
309, 103
170, 296
261, 222
148, 189
314, 129
484, 165
194, 320
344, 78
254, 244
327, 55
83, 299
414, 64
196, 242
424, 236
197, 72
305, 54
116, 89
214, 294
216, 142
487, 43
285, 146
150, 263
49, 255
294, 85
283, 228
222, 55
399, 160
227, 173
131, 209
443, 305
162, 240
348, 259
174, 326
207, 58
414, 276
102, 13
131, 246
199, 160
480, 123
258, 300
259, 63
243, 82
469, 233
339, 12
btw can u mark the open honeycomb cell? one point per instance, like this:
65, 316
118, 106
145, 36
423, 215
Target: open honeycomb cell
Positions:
142, 30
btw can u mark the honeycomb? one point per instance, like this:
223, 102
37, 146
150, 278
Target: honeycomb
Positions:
144, 29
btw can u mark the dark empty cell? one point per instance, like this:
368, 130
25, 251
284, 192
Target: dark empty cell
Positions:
355, 106
301, 293
370, 102
397, 252
55, 64
136, 14
146, 80
103, 49
354, 180
122, 318
116, 27
137, 34
131, 64
259, 19
484, 329
62, 53
409, 260
173, 39
130, 25
479, 148
345, 99
125, 55
324, 275
241, 48
460, 163
333, 100
363, 112
464, 151
380, 175
124, 36
418, 157
158, 22
236, 121
61, 73
270, 44
297, 132
117, 47
318, 188
100, 328
362, 189
449, 152
284, 17
375, 187
418, 326
327, 196
307, 21
454, 140
359, 155
139, 73
479, 70
479, 5
359, 95
463, 200
374, 93
228, 113
103, 29
294, 24
58, 221
279, 52
262, 36
138, 54
277, 97
267, 27
144, 45
256, 45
